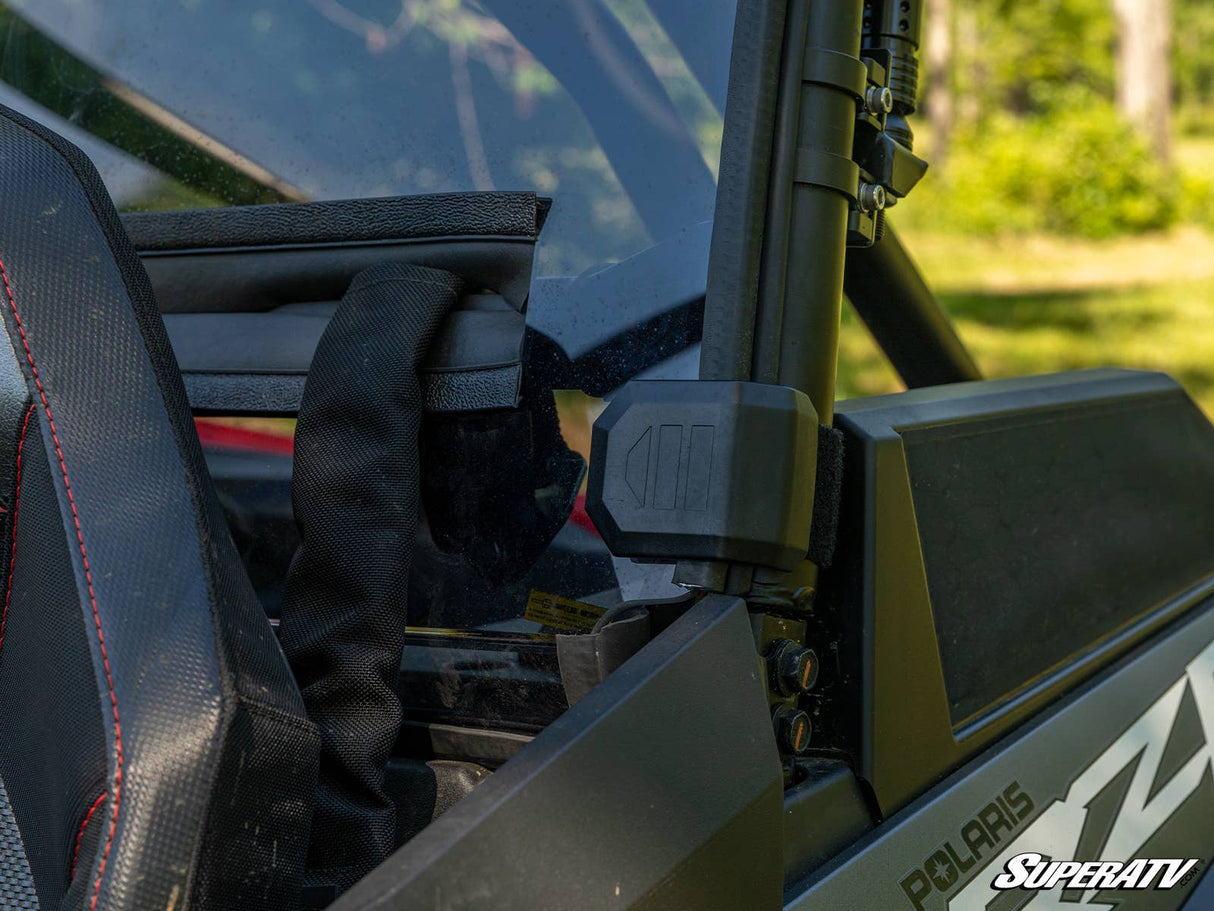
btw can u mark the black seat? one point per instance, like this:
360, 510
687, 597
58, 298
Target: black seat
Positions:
154, 751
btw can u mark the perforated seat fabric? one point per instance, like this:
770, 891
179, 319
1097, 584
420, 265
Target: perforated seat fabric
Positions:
154, 751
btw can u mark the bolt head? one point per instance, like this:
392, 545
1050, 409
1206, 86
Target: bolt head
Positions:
798, 670
793, 729
871, 197
792, 668
879, 100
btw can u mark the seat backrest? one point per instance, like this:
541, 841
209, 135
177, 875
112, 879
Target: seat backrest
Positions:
154, 751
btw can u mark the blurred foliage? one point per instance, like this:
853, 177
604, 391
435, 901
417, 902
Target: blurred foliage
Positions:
1193, 66
1038, 145
1083, 172
1028, 56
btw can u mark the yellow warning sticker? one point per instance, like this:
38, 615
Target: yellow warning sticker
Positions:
561, 613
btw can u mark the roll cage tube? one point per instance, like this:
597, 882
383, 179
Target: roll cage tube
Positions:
735, 477
776, 268
772, 314
905, 319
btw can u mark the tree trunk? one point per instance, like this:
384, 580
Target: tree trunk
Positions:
1144, 69
938, 53
973, 68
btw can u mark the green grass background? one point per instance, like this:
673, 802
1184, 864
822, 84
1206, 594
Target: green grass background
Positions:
1036, 304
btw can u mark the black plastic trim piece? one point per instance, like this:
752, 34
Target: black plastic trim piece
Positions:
257, 258
484, 214
889, 686
244, 394
700, 470
639, 806
241, 279
823, 813
741, 209
283, 341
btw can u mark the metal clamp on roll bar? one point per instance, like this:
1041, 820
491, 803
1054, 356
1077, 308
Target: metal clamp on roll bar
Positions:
887, 166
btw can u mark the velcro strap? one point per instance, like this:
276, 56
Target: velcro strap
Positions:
828, 492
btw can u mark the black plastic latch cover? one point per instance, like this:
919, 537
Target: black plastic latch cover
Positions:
475, 362
697, 470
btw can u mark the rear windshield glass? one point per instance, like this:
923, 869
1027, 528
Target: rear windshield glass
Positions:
612, 107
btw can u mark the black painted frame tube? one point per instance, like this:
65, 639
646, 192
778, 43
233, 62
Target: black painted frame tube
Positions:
817, 226
890, 296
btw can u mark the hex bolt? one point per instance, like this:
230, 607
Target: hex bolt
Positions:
797, 670
871, 197
792, 668
878, 99
793, 729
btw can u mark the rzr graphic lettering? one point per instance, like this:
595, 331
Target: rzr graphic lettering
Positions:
1033, 872
1045, 851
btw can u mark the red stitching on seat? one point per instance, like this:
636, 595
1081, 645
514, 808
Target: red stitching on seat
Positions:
12, 553
88, 575
80, 835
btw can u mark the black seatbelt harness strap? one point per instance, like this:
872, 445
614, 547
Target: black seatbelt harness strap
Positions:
355, 493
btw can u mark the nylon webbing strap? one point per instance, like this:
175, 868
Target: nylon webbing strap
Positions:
586, 659
355, 492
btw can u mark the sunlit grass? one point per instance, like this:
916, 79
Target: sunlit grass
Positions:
1195, 154
1036, 305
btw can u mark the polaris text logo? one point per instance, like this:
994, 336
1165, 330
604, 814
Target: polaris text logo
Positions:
1123, 799
977, 838
1032, 872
